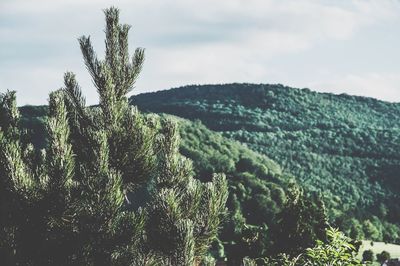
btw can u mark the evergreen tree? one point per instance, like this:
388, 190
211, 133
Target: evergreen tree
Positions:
110, 188
300, 224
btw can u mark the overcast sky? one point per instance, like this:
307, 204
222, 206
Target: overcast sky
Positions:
333, 46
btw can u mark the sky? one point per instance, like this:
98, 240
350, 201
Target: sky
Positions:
341, 46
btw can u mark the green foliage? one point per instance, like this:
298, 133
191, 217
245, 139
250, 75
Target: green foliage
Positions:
300, 224
109, 187
371, 231
337, 251
368, 256
256, 183
256, 187
345, 147
257, 197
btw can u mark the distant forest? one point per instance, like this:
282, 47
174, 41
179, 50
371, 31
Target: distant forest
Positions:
344, 148
339, 153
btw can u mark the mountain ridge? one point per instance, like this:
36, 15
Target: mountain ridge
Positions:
346, 147
329, 94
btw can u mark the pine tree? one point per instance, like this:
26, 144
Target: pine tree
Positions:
111, 187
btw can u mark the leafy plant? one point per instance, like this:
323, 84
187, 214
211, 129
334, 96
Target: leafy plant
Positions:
337, 251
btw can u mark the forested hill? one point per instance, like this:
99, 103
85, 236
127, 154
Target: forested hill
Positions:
346, 147
262, 107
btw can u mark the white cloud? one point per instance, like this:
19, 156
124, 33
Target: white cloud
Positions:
29, 83
187, 41
385, 86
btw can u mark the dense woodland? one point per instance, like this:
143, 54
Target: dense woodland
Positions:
241, 173
342, 146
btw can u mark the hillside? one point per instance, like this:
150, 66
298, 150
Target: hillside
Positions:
342, 146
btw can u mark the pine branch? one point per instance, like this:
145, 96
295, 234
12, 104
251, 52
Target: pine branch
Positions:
9, 113
60, 159
112, 40
92, 63
137, 65
18, 176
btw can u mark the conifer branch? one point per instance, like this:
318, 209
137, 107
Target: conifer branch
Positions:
60, 158
92, 63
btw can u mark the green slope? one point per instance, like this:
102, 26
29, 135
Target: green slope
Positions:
345, 147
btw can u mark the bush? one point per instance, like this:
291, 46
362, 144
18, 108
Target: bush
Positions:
368, 255
337, 251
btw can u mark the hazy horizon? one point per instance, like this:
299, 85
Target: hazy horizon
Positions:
343, 47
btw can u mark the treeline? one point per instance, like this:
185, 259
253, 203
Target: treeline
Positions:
343, 146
